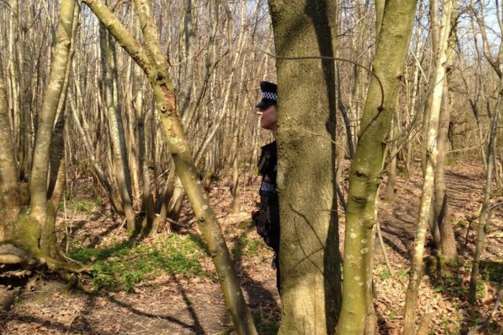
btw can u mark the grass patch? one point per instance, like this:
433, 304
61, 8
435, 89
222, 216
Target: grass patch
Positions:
82, 205
384, 274
249, 247
123, 266
252, 247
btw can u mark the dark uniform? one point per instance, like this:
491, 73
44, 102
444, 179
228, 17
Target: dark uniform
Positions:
267, 217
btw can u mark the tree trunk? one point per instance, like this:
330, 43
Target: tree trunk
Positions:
440, 205
389, 60
425, 210
116, 128
9, 186
42, 217
310, 287
148, 201
389, 192
485, 211
154, 64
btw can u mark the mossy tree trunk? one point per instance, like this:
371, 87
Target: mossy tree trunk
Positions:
9, 187
310, 284
35, 232
425, 209
153, 62
392, 46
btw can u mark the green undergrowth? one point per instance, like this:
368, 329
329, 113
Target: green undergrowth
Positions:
82, 205
123, 266
250, 247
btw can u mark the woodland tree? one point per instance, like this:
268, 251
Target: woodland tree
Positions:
33, 230
425, 213
309, 261
388, 64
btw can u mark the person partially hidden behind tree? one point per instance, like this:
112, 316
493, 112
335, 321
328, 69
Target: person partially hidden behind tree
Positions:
266, 218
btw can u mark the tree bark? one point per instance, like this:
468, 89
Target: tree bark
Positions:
116, 128
440, 204
9, 186
425, 209
388, 64
485, 211
310, 286
41, 216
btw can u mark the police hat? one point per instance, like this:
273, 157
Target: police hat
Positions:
269, 95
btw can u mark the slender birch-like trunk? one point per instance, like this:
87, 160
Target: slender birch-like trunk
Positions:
148, 201
440, 206
447, 247
485, 211
116, 127
388, 64
425, 210
489, 155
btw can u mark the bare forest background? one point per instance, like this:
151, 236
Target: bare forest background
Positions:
128, 166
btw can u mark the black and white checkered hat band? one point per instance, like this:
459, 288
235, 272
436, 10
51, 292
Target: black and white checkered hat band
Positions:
269, 95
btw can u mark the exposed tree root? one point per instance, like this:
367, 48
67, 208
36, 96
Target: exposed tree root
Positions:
11, 254
18, 267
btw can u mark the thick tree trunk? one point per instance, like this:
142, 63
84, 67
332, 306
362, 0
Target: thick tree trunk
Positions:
41, 221
154, 64
391, 54
425, 210
9, 186
310, 288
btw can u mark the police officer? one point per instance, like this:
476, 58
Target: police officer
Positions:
267, 217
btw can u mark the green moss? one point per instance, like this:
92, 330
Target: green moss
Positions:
123, 266
27, 233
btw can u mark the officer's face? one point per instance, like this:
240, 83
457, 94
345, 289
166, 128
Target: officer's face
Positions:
268, 118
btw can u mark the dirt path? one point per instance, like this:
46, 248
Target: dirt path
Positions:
177, 305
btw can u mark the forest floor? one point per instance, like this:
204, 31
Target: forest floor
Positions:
167, 285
